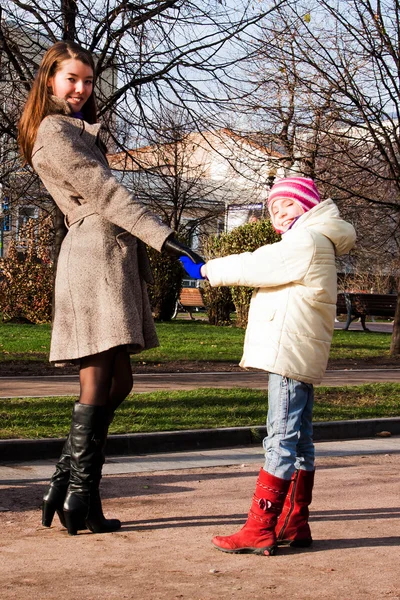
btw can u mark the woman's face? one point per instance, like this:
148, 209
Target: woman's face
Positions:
73, 82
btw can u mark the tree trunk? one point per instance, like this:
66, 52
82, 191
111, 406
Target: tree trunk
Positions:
69, 11
395, 343
60, 232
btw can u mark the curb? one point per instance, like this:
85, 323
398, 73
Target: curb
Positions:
198, 439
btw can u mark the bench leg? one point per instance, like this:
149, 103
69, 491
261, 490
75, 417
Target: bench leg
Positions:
349, 320
363, 317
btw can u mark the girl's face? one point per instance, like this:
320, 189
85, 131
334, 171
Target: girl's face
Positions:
73, 82
284, 211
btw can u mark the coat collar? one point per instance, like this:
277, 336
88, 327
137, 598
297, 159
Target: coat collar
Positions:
58, 106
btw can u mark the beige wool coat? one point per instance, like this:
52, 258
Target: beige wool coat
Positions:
101, 296
292, 310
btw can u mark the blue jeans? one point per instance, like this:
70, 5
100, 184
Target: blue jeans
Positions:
289, 444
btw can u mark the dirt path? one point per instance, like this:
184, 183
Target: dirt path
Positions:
163, 550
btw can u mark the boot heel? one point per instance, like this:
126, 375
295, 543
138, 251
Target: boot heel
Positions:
48, 510
61, 516
72, 521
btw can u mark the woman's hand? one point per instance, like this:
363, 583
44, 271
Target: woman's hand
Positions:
174, 248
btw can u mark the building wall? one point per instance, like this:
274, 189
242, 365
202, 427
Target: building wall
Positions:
233, 172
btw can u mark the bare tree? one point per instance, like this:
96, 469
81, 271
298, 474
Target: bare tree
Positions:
175, 53
363, 67
287, 115
171, 175
338, 65
171, 52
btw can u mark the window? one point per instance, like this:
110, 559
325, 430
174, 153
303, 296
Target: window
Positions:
239, 214
194, 234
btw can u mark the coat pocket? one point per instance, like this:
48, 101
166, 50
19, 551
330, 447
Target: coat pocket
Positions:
126, 241
129, 243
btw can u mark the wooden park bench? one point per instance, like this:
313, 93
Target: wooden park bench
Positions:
190, 300
360, 305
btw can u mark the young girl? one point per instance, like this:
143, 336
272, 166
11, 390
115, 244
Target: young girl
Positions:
290, 327
102, 311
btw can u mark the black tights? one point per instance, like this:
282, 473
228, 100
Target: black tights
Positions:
106, 378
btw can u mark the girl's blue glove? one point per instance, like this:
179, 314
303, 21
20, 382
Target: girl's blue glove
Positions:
191, 268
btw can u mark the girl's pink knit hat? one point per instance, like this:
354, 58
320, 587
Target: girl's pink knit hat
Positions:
300, 189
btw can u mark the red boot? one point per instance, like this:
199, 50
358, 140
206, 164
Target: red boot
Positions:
258, 534
292, 528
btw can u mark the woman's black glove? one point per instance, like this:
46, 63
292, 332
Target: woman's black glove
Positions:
174, 248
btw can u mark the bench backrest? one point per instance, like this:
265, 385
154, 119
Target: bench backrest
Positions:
191, 297
378, 304
368, 304
341, 307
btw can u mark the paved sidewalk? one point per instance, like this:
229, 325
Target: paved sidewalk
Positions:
172, 505
171, 461
68, 385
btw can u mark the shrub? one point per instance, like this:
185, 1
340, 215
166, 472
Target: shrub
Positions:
245, 238
164, 293
218, 300
26, 286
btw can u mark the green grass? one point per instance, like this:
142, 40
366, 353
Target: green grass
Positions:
202, 408
186, 340
195, 340
360, 344
24, 342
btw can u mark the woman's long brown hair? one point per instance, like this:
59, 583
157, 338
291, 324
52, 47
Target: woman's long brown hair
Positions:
38, 104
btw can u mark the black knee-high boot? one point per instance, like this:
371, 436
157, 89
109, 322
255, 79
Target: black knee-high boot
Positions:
53, 499
88, 437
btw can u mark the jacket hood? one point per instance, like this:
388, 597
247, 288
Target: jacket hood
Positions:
325, 218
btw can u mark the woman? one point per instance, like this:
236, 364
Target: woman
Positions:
102, 312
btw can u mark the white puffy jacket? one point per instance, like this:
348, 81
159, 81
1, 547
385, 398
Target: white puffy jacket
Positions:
292, 311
